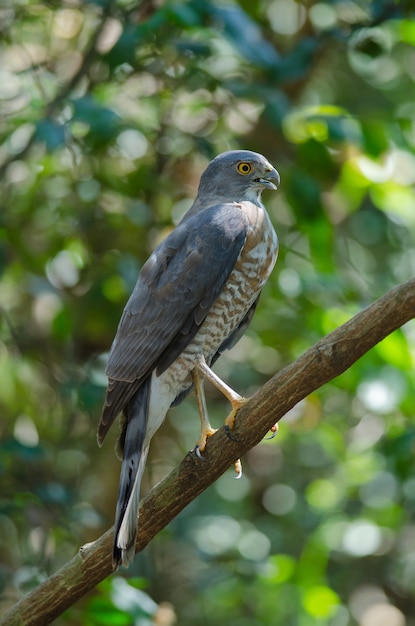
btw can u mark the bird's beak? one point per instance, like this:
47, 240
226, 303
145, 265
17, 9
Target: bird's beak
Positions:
270, 180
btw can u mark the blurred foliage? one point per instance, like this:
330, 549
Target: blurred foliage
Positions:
109, 113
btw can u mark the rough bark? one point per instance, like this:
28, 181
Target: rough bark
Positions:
327, 359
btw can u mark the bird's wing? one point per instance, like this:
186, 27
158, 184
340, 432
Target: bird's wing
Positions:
176, 288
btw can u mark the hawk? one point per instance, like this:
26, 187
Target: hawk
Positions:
194, 298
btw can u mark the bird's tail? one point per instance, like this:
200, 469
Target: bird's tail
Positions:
134, 454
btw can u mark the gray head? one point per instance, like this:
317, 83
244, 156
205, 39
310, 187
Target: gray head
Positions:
236, 176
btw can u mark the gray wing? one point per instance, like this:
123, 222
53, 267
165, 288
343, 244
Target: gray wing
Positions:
175, 290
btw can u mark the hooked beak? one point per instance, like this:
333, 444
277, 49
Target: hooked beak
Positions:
270, 180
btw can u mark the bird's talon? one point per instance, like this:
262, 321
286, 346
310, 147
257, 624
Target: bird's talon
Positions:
229, 433
199, 454
207, 431
238, 469
274, 430
230, 420
237, 403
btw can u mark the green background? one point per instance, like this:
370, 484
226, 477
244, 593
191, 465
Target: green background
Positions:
109, 114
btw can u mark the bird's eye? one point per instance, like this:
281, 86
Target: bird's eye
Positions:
244, 168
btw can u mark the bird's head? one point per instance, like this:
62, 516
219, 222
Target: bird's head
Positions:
236, 176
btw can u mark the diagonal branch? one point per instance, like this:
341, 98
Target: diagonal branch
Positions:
328, 358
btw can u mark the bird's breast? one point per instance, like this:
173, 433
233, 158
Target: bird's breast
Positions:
245, 282
259, 254
253, 267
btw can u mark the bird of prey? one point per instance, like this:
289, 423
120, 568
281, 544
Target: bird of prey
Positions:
194, 298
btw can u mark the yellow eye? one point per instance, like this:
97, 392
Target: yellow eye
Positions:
244, 168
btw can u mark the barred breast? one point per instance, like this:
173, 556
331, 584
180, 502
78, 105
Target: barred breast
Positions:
244, 284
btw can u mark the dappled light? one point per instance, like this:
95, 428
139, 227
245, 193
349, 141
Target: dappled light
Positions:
109, 113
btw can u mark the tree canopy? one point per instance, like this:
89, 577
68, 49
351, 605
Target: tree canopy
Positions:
109, 113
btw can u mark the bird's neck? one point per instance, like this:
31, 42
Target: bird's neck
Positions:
201, 203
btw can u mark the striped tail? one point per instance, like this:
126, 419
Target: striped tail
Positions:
134, 458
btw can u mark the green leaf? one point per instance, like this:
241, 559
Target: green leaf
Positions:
406, 31
104, 613
51, 133
394, 350
320, 601
103, 122
279, 569
245, 35
124, 50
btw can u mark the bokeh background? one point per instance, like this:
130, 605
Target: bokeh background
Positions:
109, 113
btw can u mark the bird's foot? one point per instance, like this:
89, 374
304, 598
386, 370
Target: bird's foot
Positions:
206, 432
274, 430
201, 444
237, 403
238, 469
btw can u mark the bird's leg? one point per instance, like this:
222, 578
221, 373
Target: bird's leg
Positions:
206, 428
234, 398
237, 401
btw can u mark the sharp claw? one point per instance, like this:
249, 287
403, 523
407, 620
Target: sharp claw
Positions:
236, 405
229, 434
199, 454
238, 469
274, 431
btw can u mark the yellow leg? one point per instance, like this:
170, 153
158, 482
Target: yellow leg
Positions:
227, 391
206, 428
234, 398
237, 401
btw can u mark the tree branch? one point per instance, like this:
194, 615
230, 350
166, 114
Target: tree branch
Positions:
328, 358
